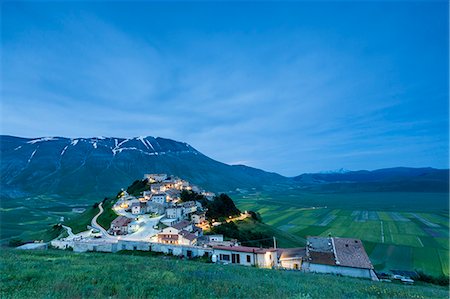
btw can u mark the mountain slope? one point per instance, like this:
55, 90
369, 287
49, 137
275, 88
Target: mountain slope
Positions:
388, 179
100, 166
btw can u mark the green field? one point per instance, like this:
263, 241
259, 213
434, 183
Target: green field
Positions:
62, 274
415, 237
25, 218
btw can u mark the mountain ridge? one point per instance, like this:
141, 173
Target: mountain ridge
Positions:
42, 164
102, 165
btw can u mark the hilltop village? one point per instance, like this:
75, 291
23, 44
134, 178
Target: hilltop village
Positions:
166, 214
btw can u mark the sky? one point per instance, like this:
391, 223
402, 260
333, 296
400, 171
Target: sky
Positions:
288, 87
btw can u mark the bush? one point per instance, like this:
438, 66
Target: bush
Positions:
138, 187
440, 280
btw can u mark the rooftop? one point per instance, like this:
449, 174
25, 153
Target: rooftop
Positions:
351, 253
288, 253
319, 244
324, 258
121, 221
180, 225
245, 249
188, 235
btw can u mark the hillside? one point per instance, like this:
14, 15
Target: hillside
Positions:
61, 274
398, 179
100, 166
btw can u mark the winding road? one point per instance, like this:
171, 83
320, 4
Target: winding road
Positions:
95, 225
69, 231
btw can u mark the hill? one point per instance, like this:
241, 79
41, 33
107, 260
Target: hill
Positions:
100, 166
62, 274
398, 179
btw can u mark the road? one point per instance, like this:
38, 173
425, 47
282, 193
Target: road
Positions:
69, 231
95, 225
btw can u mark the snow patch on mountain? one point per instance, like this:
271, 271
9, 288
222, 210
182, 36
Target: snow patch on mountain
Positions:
141, 138
64, 150
42, 139
31, 157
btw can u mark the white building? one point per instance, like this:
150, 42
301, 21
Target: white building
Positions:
343, 256
189, 207
176, 236
198, 217
160, 198
138, 208
291, 258
147, 195
247, 256
133, 226
153, 207
155, 177
175, 212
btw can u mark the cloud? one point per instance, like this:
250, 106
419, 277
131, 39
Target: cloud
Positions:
287, 99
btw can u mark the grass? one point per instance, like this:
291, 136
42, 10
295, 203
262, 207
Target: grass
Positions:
283, 239
61, 274
108, 214
80, 222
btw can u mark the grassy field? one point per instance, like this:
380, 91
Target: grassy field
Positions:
412, 238
26, 217
61, 274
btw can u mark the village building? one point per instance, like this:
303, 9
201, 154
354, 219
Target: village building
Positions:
198, 217
184, 225
291, 258
247, 256
178, 234
154, 177
343, 256
119, 226
175, 212
160, 198
155, 188
156, 208
173, 195
147, 195
138, 208
133, 226
189, 207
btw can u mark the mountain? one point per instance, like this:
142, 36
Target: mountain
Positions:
101, 166
389, 179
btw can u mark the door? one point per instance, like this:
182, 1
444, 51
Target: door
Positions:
235, 258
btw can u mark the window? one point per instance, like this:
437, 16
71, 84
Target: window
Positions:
248, 258
225, 257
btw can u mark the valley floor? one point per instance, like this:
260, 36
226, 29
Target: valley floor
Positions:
62, 274
398, 230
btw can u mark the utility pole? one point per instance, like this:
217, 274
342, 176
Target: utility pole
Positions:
274, 242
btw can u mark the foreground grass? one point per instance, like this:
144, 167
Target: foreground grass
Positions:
59, 274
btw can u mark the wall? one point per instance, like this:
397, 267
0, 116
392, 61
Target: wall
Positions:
242, 257
345, 271
266, 260
289, 264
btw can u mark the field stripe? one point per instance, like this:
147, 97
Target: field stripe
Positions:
420, 241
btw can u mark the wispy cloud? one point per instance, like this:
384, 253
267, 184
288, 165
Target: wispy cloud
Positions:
303, 97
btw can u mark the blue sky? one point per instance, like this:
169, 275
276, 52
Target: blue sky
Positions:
288, 87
